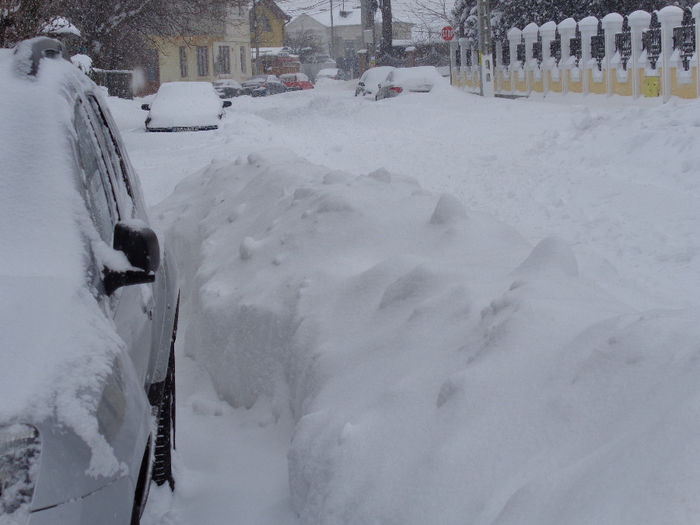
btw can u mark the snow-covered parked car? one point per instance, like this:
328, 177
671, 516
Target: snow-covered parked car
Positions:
331, 72
228, 88
185, 106
421, 79
296, 81
89, 306
370, 80
264, 85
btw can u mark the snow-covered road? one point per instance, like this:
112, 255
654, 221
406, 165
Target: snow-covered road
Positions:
307, 210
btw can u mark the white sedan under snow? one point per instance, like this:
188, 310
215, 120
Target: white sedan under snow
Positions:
421, 79
185, 106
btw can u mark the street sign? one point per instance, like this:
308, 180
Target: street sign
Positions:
448, 33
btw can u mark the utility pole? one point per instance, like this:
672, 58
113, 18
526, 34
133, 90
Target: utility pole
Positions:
387, 28
486, 83
368, 8
332, 33
256, 39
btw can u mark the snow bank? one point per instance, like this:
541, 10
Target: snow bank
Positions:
439, 368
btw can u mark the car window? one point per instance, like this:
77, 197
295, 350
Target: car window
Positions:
94, 175
121, 181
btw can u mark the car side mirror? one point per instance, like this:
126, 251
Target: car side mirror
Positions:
140, 245
146, 107
227, 103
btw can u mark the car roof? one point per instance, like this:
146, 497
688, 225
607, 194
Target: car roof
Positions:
416, 72
377, 73
38, 175
185, 89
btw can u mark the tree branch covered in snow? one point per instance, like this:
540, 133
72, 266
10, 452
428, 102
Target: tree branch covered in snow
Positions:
114, 34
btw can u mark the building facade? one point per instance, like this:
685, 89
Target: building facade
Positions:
267, 23
220, 49
344, 35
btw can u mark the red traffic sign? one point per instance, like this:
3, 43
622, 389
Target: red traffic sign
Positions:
448, 33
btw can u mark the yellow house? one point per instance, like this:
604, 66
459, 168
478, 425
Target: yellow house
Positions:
216, 49
267, 23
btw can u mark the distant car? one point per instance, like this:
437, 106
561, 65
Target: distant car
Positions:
89, 306
331, 72
370, 80
228, 88
264, 85
185, 106
296, 81
419, 79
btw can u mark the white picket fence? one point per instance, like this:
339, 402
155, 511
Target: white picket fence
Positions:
642, 54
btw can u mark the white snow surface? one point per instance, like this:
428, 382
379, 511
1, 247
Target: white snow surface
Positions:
55, 341
433, 309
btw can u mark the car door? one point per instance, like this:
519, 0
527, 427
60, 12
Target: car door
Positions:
132, 307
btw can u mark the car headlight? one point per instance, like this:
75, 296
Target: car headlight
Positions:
19, 462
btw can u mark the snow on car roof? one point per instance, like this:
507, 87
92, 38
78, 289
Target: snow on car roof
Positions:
183, 104
419, 72
55, 340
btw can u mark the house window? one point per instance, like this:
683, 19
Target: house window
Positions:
202, 61
224, 59
243, 60
183, 61
266, 24
151, 65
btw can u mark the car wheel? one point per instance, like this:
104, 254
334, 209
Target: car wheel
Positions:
165, 440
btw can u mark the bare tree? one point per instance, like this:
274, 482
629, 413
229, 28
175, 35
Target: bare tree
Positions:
303, 40
20, 19
114, 34
432, 16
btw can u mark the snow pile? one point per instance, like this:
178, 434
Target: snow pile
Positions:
438, 367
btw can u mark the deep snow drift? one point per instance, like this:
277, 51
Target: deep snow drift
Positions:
440, 309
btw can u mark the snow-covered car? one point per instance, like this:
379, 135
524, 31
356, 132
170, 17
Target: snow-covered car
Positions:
419, 79
89, 306
264, 85
185, 106
228, 88
330, 72
296, 81
370, 80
